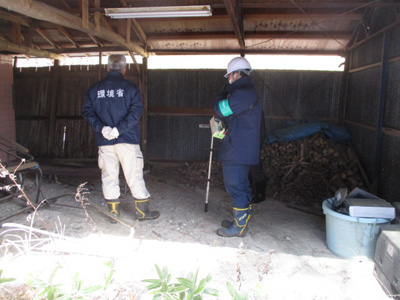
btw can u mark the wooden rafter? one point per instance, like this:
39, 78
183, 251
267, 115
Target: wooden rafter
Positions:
42, 11
235, 20
47, 38
135, 62
68, 36
95, 40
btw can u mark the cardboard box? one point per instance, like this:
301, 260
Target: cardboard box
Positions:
387, 259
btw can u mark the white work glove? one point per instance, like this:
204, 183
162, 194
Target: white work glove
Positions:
106, 132
114, 133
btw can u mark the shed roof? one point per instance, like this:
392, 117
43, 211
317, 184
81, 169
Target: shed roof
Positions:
50, 28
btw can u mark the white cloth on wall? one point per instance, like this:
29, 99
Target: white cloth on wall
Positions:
130, 158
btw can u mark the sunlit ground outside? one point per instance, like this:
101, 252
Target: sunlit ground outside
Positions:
258, 62
259, 274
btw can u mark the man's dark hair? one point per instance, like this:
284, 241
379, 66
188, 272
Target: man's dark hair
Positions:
116, 62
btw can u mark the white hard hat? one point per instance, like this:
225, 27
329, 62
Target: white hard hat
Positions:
238, 63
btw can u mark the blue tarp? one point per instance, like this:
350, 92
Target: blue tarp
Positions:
298, 131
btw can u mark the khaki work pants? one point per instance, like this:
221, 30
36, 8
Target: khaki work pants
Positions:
130, 158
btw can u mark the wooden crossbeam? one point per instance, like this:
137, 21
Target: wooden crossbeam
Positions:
14, 48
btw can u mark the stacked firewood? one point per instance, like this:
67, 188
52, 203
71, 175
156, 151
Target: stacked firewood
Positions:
311, 169
304, 172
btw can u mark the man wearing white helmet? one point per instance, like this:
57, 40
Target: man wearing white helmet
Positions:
240, 109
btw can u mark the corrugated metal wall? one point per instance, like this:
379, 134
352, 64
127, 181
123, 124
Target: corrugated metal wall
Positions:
49, 100
287, 96
374, 80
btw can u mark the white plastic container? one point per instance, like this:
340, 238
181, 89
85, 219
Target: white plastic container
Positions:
351, 237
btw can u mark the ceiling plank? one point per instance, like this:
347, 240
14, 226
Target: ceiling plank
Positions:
42, 11
14, 48
237, 27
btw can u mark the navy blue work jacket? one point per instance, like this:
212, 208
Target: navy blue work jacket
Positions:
115, 102
241, 144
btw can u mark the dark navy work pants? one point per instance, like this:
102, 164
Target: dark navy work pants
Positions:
236, 181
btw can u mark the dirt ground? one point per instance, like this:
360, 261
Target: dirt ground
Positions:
283, 256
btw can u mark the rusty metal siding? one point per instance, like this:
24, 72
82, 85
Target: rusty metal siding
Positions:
363, 141
184, 88
367, 53
390, 172
299, 95
394, 50
286, 95
178, 138
378, 156
392, 107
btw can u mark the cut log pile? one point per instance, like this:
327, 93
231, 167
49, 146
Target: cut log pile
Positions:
302, 172
310, 170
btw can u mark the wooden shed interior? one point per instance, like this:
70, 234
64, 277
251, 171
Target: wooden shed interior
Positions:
364, 98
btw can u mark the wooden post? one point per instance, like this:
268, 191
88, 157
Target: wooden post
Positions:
100, 66
343, 90
53, 110
143, 89
381, 111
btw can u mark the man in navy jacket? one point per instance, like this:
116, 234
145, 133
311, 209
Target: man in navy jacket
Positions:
239, 108
113, 108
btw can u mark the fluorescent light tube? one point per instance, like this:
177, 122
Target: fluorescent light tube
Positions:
159, 12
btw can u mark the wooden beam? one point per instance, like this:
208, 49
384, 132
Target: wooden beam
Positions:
14, 48
246, 51
45, 12
180, 111
14, 18
235, 20
259, 35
